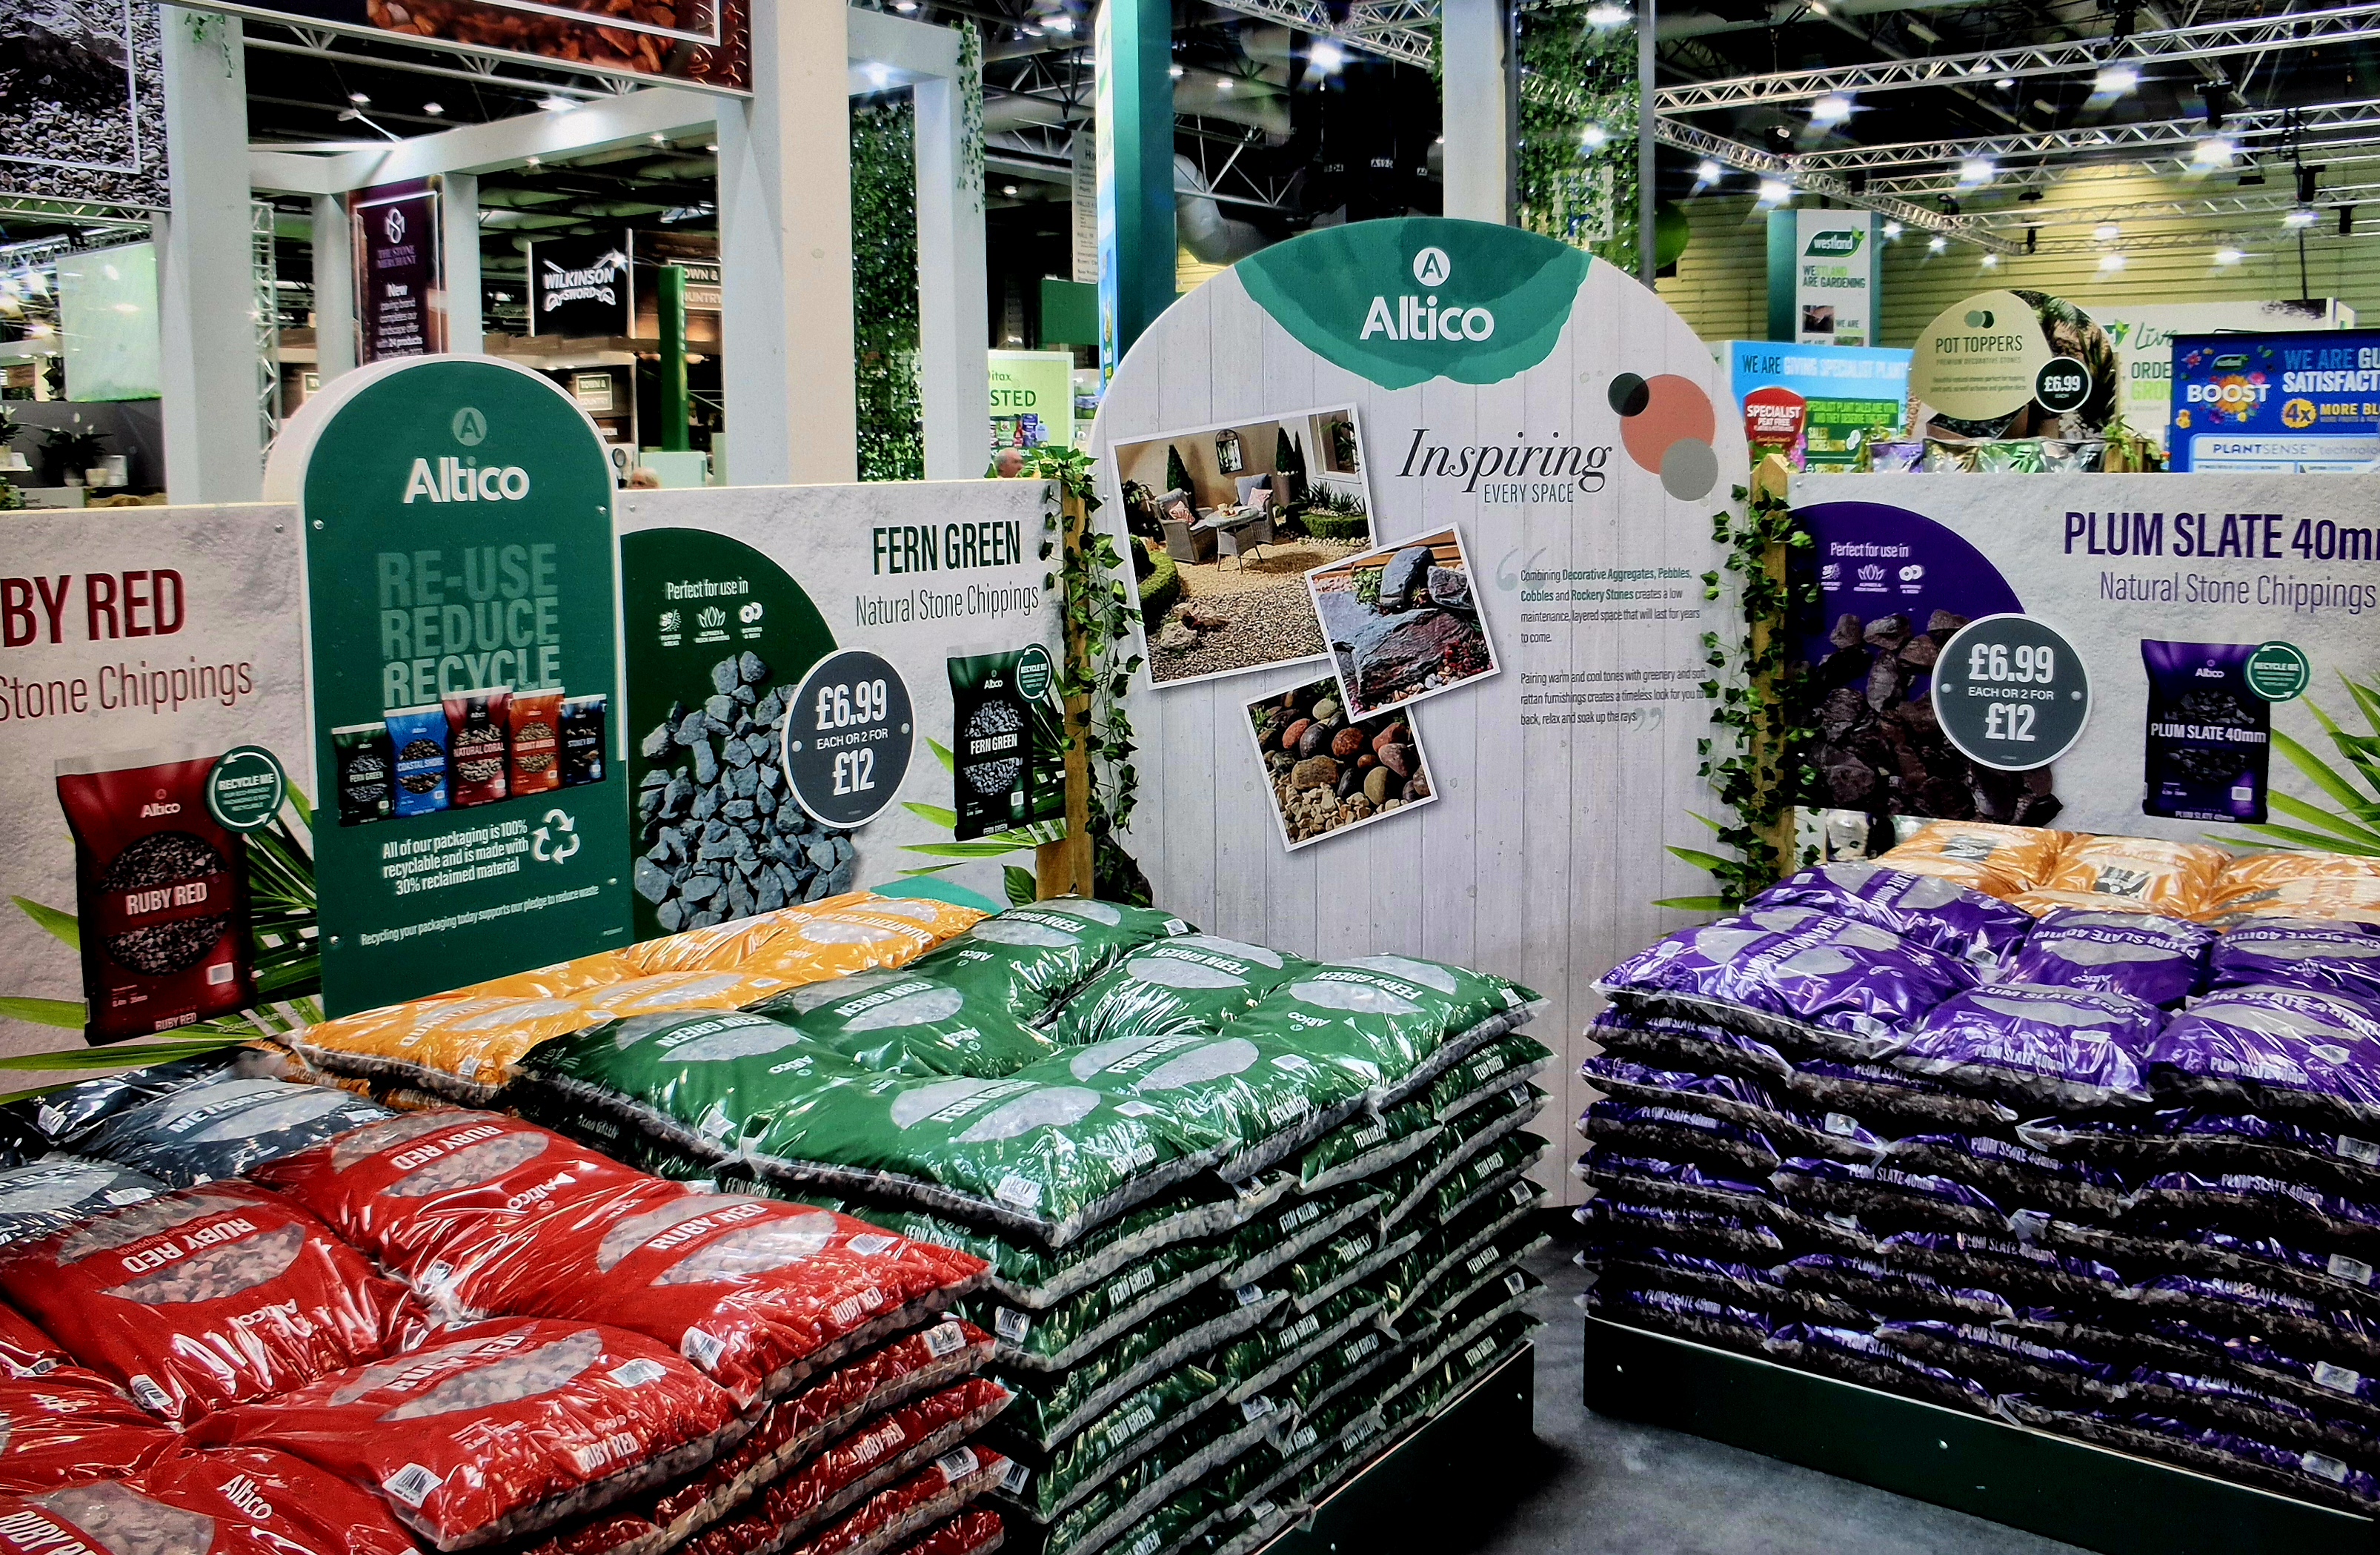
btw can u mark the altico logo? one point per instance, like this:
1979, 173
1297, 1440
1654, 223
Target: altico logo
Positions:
1835, 243
1419, 317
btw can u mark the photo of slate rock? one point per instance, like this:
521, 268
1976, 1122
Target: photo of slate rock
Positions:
1880, 748
1329, 771
1402, 623
722, 835
82, 103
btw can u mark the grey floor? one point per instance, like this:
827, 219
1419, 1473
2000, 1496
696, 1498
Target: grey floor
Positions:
1605, 1486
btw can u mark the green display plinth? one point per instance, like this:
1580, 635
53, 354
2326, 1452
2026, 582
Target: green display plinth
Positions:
2048, 1484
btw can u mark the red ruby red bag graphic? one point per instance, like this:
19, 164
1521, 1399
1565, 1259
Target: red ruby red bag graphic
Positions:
69, 1426
208, 1296
240, 1501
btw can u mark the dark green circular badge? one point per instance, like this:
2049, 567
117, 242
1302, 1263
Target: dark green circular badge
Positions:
2278, 672
2062, 385
1034, 672
849, 732
245, 789
2010, 693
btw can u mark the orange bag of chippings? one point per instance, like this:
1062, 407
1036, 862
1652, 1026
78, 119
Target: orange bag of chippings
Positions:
723, 945
2017, 858
839, 943
2336, 898
2176, 878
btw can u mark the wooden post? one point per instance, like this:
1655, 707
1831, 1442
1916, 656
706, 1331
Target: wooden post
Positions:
1771, 481
1063, 868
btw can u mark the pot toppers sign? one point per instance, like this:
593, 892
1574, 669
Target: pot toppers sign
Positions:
2015, 364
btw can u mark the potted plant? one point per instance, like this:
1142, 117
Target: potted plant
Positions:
66, 452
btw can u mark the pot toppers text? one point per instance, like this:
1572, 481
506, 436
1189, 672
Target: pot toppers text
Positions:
900, 548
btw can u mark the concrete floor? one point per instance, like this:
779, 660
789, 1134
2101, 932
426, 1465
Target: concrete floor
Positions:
1605, 1486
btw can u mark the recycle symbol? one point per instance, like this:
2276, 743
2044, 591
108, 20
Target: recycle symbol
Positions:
541, 847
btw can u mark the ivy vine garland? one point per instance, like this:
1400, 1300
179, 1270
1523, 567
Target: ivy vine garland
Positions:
1098, 605
884, 286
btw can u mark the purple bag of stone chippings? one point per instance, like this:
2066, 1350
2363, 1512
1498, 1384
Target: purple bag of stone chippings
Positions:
2327, 1388
1883, 1198
2211, 1144
2299, 1473
1668, 1042
2059, 1046
1875, 1286
2237, 1307
1673, 1184
1697, 1318
1857, 1355
2257, 1204
1662, 1268
1923, 909
2162, 960
2309, 1054
2012, 1175
1730, 1099
1827, 984
1613, 1223
1676, 1133
2003, 1361
2019, 1270
2330, 1279
2208, 745
1891, 1098
2223, 1403
2344, 958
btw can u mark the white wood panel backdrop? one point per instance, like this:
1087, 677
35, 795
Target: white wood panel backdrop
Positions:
1544, 851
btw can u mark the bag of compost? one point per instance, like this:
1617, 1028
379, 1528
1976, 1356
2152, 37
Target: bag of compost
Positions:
1190, 982
160, 892
1923, 909
1063, 1335
1838, 987
1025, 959
903, 1023
1025, 1156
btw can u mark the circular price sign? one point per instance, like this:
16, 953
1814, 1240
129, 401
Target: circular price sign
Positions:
848, 734
245, 788
2062, 385
2278, 672
2010, 693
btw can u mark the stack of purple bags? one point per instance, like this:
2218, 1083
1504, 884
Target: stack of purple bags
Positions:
2105, 1173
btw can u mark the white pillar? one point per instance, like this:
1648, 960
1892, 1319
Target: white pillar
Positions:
1476, 113
952, 326
784, 253
458, 219
215, 443
334, 288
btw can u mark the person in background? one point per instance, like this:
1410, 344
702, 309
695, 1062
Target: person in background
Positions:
1008, 464
644, 477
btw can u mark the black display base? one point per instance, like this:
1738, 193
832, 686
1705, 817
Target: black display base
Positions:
2048, 1484
1405, 1498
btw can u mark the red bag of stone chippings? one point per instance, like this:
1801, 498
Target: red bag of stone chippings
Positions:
26, 1351
69, 1424
792, 1430
970, 1533
208, 1296
500, 1429
440, 1197
890, 1518
757, 1292
241, 1501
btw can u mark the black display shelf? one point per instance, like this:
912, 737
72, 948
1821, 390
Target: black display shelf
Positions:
2049, 1484
1422, 1492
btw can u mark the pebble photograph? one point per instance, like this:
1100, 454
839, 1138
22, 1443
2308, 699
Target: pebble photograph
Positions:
1330, 772
1402, 623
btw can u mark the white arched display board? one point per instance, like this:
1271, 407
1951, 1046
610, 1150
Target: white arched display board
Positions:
1571, 431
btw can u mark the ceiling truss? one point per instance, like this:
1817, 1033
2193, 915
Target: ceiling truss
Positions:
1751, 159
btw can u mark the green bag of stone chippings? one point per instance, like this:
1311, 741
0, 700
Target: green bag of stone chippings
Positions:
1341, 1365
1058, 1336
903, 1023
1411, 1018
1365, 1146
1491, 1172
1024, 960
1507, 1061
1286, 1231
1191, 982
698, 1081
1026, 1155
1254, 1364
1048, 1407
1053, 1481
1237, 1104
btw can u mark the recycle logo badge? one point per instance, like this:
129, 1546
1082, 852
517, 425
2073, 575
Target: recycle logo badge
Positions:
542, 846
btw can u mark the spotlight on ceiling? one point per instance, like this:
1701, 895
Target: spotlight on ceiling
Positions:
2214, 152
904, 7
2107, 232
1325, 56
1062, 22
878, 75
1593, 136
1607, 16
1833, 108
2111, 264
2229, 256
557, 103
1707, 173
433, 109
2116, 81
1174, 71
1008, 190
1774, 191
658, 139
1893, 229
1975, 172
359, 99
1938, 244
1991, 262
2300, 218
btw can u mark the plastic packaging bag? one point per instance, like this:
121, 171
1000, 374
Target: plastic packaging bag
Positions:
1240, 1102
2175, 877
1189, 982
1997, 860
501, 1429
2344, 958
2157, 959
50, 1195
69, 1426
239, 1502
1510, 1059
2068, 1049
1413, 1019
2301, 1054
227, 1129
1929, 910
1063, 1335
1025, 959
207, 1298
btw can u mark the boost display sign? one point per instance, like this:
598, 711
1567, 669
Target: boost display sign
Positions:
2303, 402
464, 603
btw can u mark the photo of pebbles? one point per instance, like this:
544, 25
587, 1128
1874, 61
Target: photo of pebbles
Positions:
1880, 748
1330, 772
1402, 623
84, 81
723, 837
